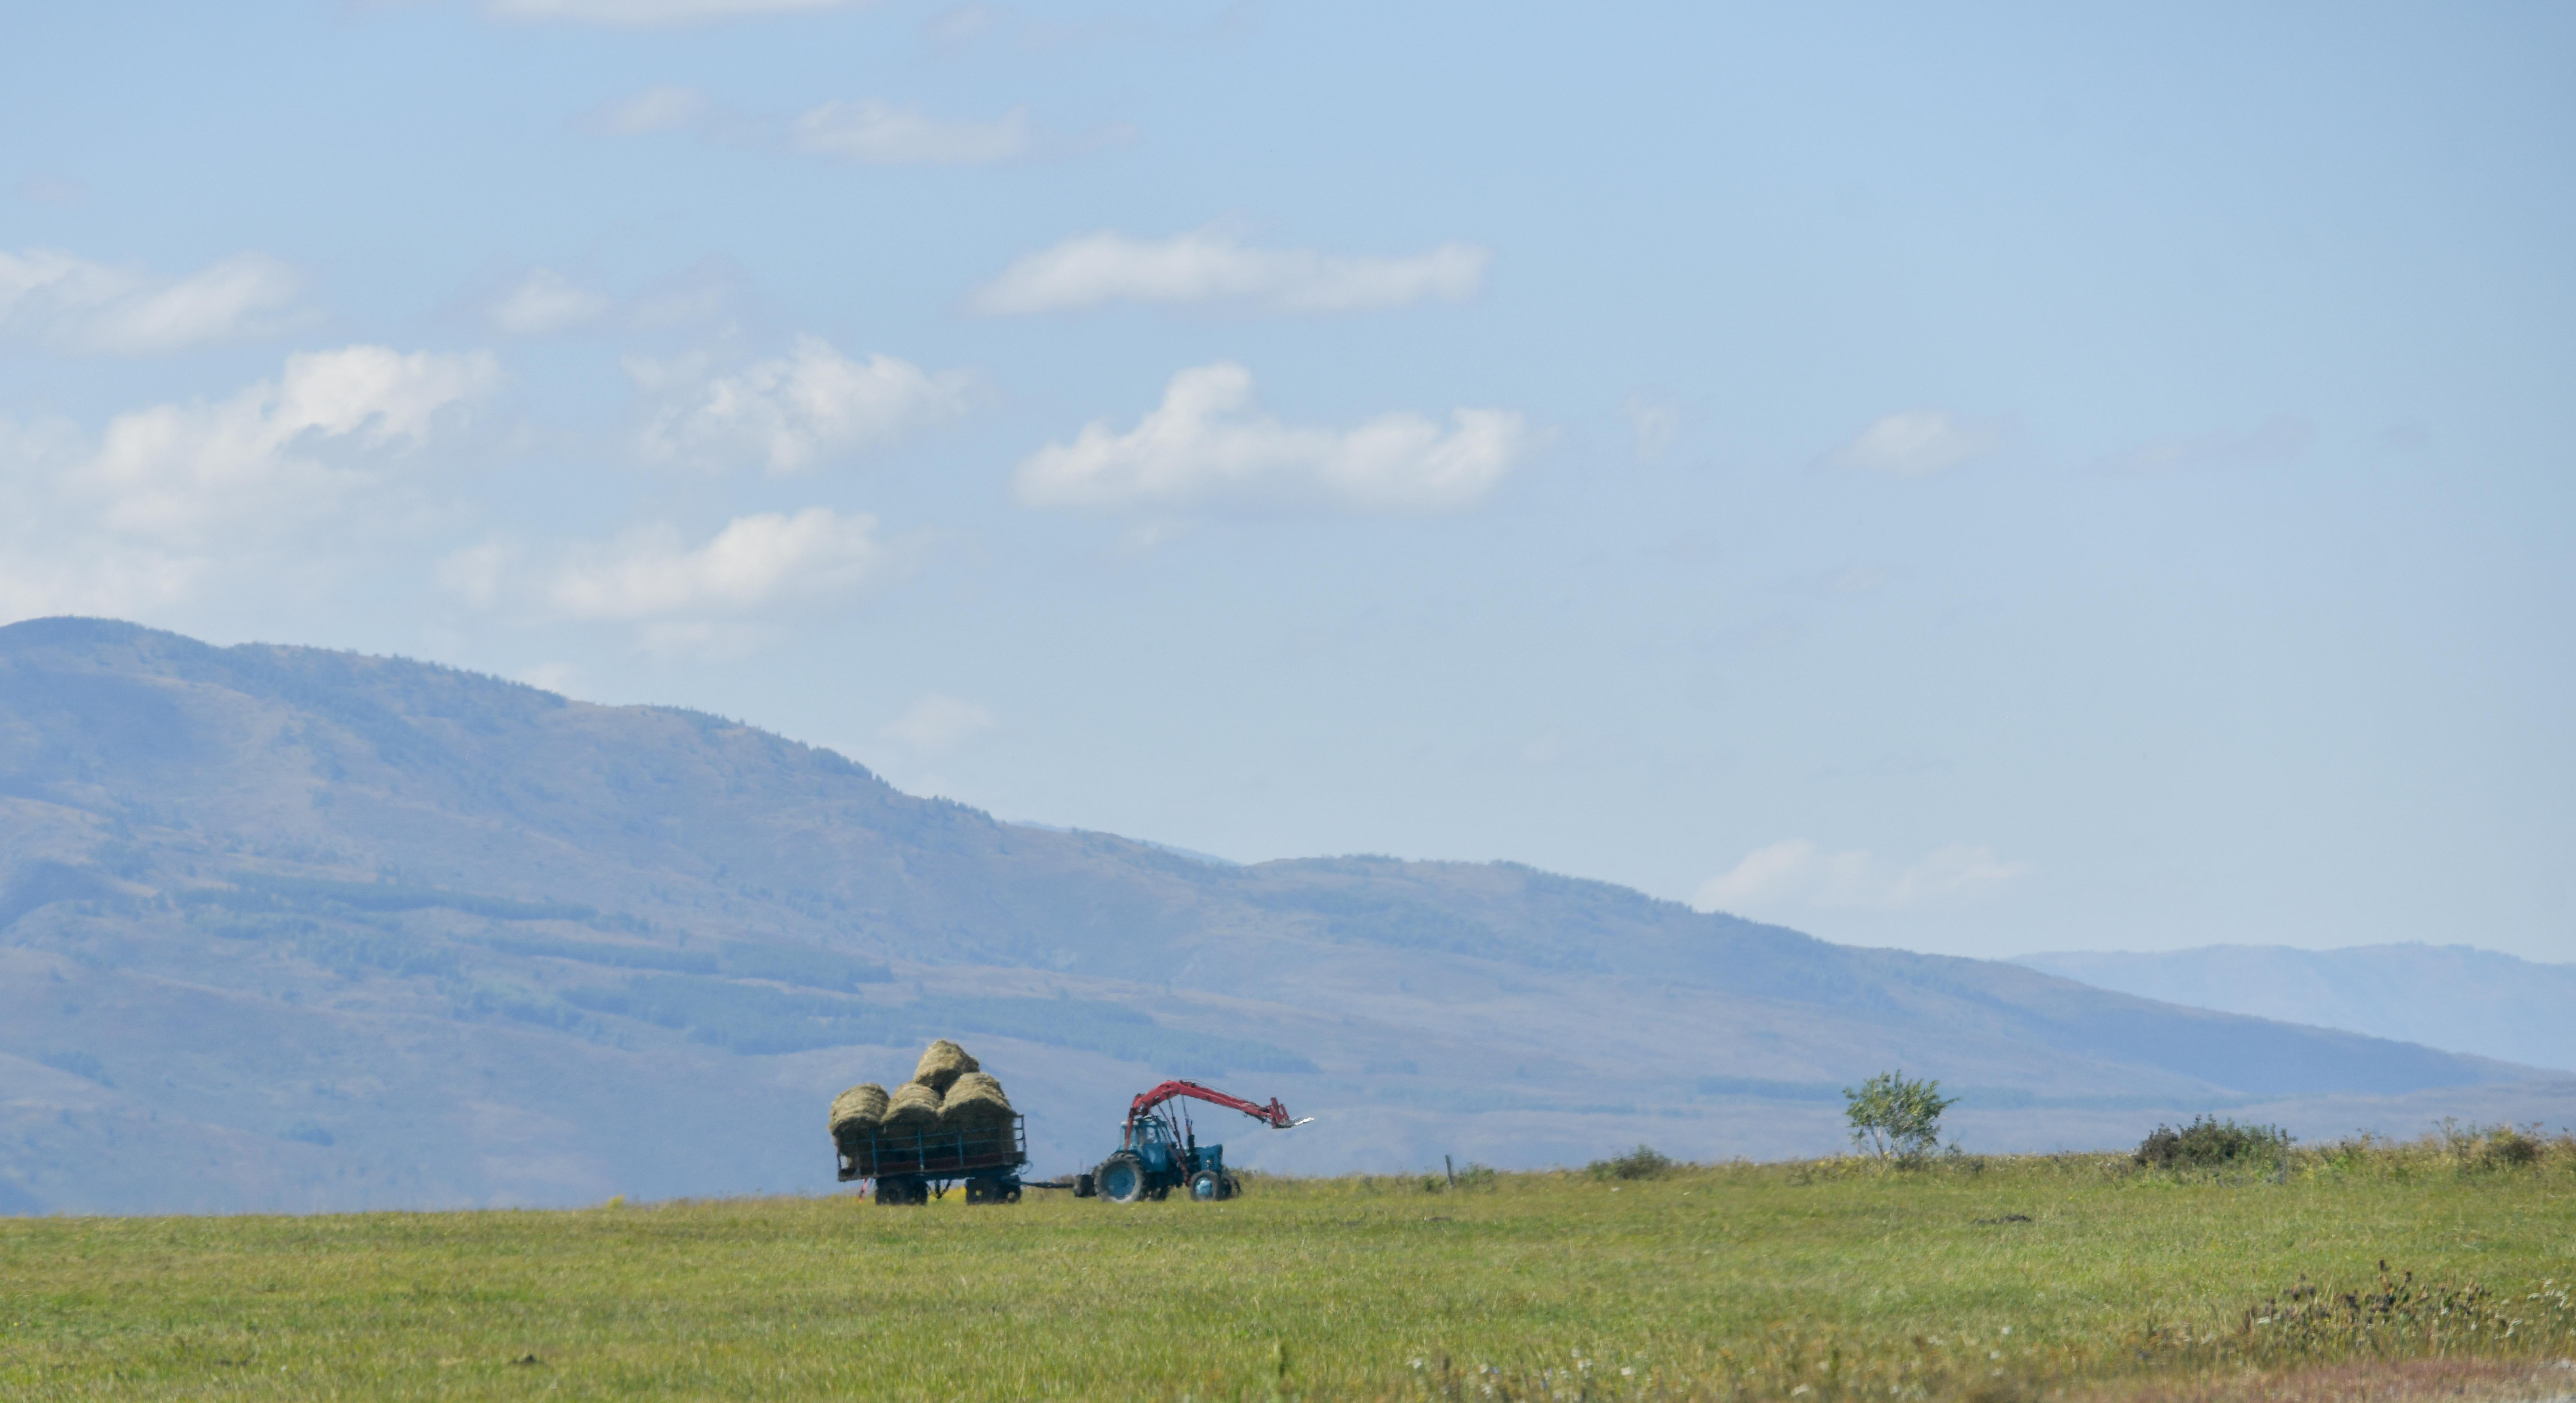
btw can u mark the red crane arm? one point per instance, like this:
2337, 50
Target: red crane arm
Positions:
1274, 1114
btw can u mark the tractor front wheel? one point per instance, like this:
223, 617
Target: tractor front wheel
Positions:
1207, 1186
1120, 1178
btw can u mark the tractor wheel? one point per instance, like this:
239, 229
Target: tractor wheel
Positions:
1233, 1187
1120, 1178
1207, 1186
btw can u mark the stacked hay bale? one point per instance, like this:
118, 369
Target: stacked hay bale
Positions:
856, 1114
913, 1109
975, 1107
942, 1063
950, 1114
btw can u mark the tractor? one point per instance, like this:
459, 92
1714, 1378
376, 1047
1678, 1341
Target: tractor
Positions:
1159, 1150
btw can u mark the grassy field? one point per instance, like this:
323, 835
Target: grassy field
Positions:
1989, 1279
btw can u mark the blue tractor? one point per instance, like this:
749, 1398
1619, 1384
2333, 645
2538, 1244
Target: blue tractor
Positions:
1159, 1151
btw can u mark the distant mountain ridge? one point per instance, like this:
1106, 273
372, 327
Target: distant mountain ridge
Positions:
2454, 997
290, 928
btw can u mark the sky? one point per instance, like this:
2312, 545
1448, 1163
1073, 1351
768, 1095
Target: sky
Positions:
2007, 479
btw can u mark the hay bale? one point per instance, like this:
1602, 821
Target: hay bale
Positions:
977, 1111
856, 1114
861, 1107
911, 1110
975, 1104
980, 1085
942, 1063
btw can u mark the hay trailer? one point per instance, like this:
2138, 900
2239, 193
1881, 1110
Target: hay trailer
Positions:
1159, 1150
909, 1166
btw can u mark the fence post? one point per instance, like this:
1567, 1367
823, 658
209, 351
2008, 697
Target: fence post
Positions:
1445, 1163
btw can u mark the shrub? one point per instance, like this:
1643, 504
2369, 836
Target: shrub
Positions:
2508, 1148
1892, 1116
2211, 1144
1643, 1162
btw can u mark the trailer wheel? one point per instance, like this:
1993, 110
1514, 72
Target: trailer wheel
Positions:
902, 1191
1082, 1185
1120, 1178
1207, 1186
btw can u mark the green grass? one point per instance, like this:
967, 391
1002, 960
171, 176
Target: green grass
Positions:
1816, 1281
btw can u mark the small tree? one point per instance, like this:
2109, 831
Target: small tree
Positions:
1892, 1116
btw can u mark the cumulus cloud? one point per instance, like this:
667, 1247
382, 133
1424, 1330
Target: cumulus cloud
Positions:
1916, 443
279, 451
2277, 441
794, 411
169, 499
1210, 267
68, 303
937, 724
1798, 874
1208, 442
654, 14
881, 134
754, 563
545, 302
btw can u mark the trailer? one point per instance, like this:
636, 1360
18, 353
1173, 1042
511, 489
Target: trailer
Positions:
909, 1167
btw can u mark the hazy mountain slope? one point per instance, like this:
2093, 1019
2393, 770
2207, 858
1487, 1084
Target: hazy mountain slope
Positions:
283, 927
2446, 996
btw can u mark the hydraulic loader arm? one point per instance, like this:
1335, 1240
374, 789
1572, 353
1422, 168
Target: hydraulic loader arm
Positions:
1273, 1115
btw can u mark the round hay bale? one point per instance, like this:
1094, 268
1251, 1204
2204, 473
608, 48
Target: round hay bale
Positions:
911, 1110
975, 1104
977, 1085
862, 1106
942, 1063
856, 1114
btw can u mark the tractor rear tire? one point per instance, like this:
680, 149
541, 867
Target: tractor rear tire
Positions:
1120, 1178
1207, 1186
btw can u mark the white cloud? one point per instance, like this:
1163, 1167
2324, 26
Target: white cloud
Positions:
73, 304
654, 14
880, 134
1207, 266
1207, 441
1915, 443
2277, 441
545, 302
937, 724
794, 411
280, 451
1796, 874
755, 562
662, 109
175, 500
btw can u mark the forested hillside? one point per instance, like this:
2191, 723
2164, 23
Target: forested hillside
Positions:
284, 927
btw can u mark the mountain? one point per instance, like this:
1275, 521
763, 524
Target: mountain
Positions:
285, 928
2446, 996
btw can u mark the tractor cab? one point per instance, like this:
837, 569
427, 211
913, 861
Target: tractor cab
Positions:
1150, 1139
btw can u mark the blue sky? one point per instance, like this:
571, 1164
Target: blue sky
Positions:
2009, 479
